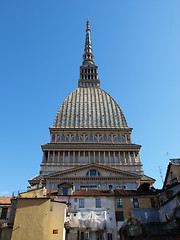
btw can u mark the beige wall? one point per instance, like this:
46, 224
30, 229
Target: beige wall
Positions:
33, 193
127, 203
36, 218
174, 173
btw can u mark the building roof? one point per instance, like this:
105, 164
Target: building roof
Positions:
175, 161
117, 193
93, 192
123, 192
37, 177
90, 107
5, 200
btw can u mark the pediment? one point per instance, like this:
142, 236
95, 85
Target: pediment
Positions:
104, 172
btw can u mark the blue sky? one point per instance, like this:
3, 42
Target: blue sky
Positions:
137, 49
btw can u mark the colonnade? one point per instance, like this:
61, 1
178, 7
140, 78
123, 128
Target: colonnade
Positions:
91, 157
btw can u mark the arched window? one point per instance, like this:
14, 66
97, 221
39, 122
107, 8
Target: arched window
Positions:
119, 139
92, 173
105, 138
62, 138
77, 138
91, 138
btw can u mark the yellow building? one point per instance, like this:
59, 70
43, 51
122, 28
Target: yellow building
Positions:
5, 208
130, 201
173, 172
39, 219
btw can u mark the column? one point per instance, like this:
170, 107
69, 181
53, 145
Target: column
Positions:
78, 161
68, 156
124, 157
134, 156
48, 156
129, 155
104, 157
139, 158
89, 156
43, 158
73, 156
94, 157
119, 157
114, 156
63, 156
58, 156
99, 157
53, 156
109, 157
84, 156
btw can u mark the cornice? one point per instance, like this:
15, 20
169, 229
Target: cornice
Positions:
91, 146
91, 130
90, 179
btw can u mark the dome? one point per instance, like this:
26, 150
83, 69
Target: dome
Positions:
90, 107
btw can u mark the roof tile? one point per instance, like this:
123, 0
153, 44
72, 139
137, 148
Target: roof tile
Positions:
5, 200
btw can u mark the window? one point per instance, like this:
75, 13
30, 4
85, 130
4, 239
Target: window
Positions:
55, 185
131, 186
99, 235
62, 138
119, 216
77, 138
119, 203
153, 203
92, 173
65, 191
98, 203
75, 200
105, 138
119, 139
76, 186
4, 213
82, 235
136, 203
112, 185
81, 203
93, 185
91, 138
109, 236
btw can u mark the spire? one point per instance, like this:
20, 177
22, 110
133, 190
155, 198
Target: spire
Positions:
88, 55
88, 70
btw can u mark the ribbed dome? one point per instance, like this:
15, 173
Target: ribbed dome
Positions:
90, 107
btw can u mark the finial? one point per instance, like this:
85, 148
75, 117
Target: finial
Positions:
88, 70
88, 55
87, 25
